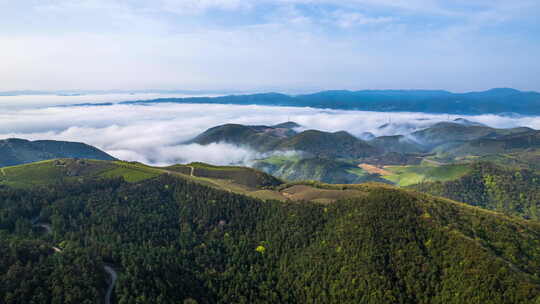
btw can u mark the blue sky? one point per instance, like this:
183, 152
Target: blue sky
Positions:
260, 45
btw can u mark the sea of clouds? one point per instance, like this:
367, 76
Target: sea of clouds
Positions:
154, 134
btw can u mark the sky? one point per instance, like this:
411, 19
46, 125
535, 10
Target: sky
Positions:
269, 45
155, 134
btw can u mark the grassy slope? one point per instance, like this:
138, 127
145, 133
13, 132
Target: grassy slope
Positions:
131, 172
240, 180
410, 175
55, 171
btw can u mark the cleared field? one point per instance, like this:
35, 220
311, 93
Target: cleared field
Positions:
51, 171
410, 175
373, 169
309, 193
131, 174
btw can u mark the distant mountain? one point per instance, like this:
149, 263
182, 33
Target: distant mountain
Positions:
445, 132
397, 143
331, 145
259, 138
319, 169
519, 141
492, 101
467, 122
16, 151
283, 138
287, 125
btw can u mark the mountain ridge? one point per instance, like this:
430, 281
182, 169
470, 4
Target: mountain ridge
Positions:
16, 151
493, 101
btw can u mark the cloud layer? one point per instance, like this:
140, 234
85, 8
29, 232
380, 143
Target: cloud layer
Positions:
154, 134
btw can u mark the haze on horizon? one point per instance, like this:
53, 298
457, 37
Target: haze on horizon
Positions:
263, 45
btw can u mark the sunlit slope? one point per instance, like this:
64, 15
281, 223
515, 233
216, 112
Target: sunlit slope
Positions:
66, 170
509, 190
411, 175
240, 180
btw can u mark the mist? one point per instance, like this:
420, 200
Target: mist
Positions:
154, 134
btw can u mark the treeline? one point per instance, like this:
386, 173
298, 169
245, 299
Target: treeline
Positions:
512, 191
174, 241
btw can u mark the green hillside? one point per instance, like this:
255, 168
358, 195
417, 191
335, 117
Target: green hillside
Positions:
260, 138
500, 145
329, 145
15, 151
525, 159
397, 143
240, 175
175, 241
73, 170
325, 170
410, 175
282, 137
445, 132
512, 191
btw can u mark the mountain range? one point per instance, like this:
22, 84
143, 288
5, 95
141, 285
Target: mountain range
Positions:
495, 101
290, 152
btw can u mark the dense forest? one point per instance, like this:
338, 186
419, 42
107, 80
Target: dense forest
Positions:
174, 241
504, 189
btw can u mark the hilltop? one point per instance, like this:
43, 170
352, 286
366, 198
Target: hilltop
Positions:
283, 137
16, 151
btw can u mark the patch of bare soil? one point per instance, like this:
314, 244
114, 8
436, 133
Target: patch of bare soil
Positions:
374, 169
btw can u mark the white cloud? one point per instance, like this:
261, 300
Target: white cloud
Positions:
350, 19
198, 6
260, 44
154, 134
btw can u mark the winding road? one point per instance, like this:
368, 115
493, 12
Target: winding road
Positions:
113, 275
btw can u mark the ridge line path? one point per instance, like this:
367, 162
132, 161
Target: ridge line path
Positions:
108, 269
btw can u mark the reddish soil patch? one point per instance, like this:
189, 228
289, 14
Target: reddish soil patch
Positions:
374, 170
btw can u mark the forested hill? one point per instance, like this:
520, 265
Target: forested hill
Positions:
283, 137
508, 190
174, 241
500, 100
15, 151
